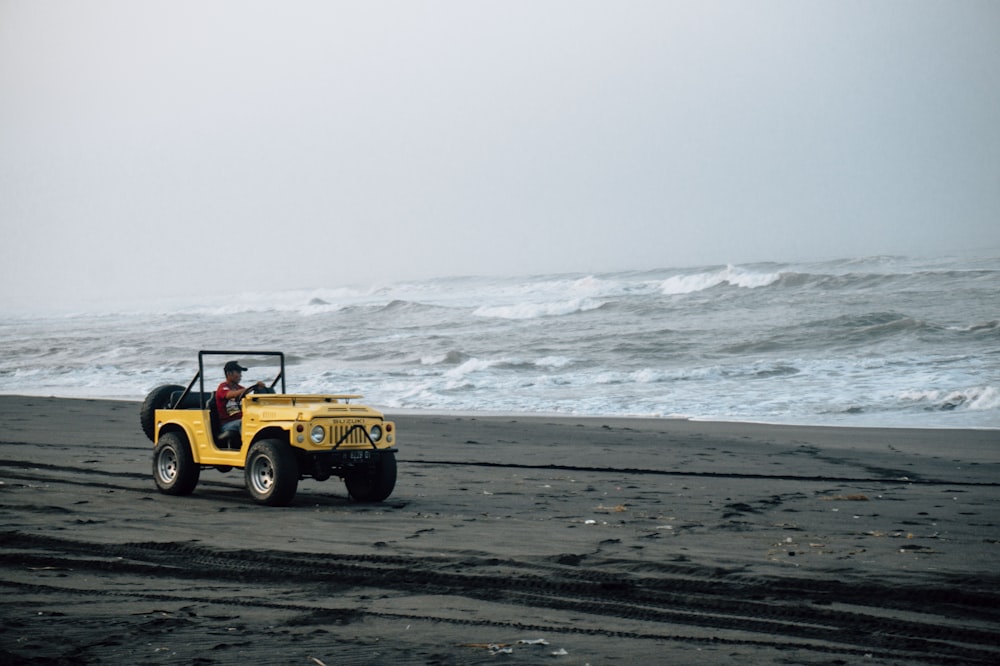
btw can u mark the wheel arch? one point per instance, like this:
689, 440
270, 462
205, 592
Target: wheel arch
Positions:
183, 432
272, 432
173, 427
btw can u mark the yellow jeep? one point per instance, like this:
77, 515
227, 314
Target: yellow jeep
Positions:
285, 437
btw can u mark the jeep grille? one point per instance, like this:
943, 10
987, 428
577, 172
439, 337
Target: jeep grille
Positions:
358, 435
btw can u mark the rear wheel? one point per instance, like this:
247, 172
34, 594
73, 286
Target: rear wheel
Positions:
373, 483
157, 399
272, 473
174, 469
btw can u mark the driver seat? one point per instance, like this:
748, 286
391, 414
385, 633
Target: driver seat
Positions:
229, 439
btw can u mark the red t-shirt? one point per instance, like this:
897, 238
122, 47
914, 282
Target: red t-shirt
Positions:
228, 409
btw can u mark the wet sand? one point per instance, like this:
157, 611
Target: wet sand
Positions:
509, 540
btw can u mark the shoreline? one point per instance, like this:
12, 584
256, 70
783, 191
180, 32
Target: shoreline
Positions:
610, 539
408, 412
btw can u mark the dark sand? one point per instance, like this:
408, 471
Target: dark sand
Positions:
615, 541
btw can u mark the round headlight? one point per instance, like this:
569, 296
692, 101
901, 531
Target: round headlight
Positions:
376, 433
317, 435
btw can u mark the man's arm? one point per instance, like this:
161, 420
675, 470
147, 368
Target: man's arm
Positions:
240, 392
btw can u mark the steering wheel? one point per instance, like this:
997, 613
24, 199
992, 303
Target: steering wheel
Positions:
258, 389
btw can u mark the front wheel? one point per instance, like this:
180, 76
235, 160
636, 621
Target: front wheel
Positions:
173, 465
272, 473
374, 483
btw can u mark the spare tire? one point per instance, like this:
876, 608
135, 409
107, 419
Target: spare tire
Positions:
158, 398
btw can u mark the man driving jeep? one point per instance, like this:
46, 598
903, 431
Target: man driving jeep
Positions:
229, 395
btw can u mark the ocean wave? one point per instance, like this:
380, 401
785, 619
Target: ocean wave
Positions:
879, 323
399, 306
868, 327
987, 327
976, 398
676, 285
471, 366
854, 331
553, 362
447, 358
537, 310
835, 282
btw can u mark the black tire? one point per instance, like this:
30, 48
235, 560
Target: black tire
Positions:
272, 473
174, 469
157, 399
374, 483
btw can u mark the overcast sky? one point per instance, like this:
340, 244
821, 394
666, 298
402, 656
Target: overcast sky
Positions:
152, 148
